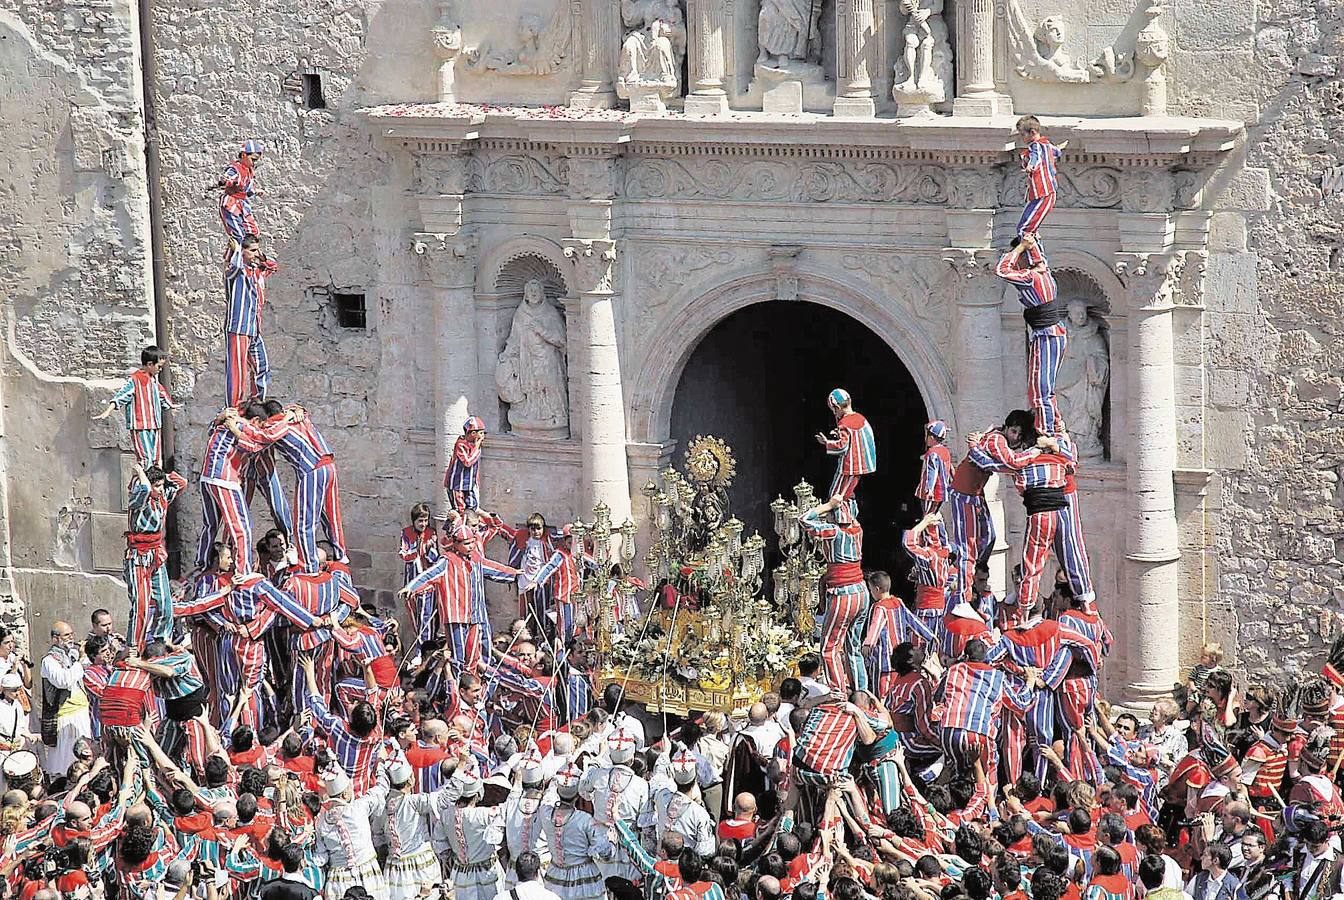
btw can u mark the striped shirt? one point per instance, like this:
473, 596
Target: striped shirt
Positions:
931, 565
1091, 625
143, 400
973, 694
891, 623
993, 453
837, 543
419, 550
1048, 470
855, 445
825, 743
1046, 646
147, 510
299, 442
462, 471
1035, 287
910, 703
186, 677
1039, 158
245, 284
356, 755
935, 475
319, 595
222, 458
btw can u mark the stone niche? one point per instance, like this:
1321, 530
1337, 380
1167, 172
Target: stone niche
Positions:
513, 335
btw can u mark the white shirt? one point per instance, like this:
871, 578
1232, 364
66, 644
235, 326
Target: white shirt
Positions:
813, 688
1172, 876
632, 725
765, 737
534, 557
532, 890
782, 716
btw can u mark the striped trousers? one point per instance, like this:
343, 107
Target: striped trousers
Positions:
317, 499
1060, 531
146, 447
842, 631
236, 216
1033, 215
151, 598
226, 508
1044, 354
247, 369
972, 536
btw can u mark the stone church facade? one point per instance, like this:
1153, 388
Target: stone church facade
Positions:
642, 169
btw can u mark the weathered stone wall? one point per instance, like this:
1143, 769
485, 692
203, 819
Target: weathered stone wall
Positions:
1275, 376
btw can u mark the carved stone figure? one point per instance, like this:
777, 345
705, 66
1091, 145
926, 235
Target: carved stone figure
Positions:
530, 371
1084, 375
541, 49
638, 17
447, 38
649, 69
924, 72
789, 30
1038, 53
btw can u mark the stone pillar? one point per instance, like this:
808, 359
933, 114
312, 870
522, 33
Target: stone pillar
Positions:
709, 23
449, 262
976, 95
1152, 549
978, 360
601, 407
598, 26
855, 57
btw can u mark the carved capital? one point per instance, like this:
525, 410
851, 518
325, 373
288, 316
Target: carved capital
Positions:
1190, 282
443, 173
594, 264
971, 263
1150, 278
1146, 191
592, 177
973, 188
447, 259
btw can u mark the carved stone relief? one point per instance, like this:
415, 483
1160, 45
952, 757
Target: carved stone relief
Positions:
531, 371
661, 272
809, 182
652, 53
926, 289
923, 74
540, 46
496, 172
1037, 53
1084, 186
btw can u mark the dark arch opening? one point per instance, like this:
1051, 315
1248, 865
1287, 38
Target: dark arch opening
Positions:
759, 380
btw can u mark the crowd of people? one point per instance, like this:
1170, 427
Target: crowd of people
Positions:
256, 730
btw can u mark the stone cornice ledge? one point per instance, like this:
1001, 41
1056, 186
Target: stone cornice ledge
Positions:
436, 127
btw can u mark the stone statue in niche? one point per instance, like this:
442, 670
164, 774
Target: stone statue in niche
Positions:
789, 33
530, 370
540, 47
924, 72
1084, 375
1038, 53
649, 70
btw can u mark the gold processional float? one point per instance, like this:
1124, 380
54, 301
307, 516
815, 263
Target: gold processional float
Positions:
709, 637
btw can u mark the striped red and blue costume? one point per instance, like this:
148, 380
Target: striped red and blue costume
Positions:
462, 478
143, 400
144, 569
222, 500
1038, 160
930, 574
1145, 779
1051, 525
910, 702
973, 696
205, 631
259, 472
561, 577
518, 695
235, 206
419, 550
846, 617
856, 449
186, 680
1052, 649
329, 593
579, 693
824, 746
459, 582
1048, 337
357, 756
358, 646
890, 622
534, 606
317, 490
973, 535
959, 630
935, 478
1078, 691
247, 369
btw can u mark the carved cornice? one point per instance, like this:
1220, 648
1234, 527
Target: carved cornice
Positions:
447, 259
594, 264
777, 181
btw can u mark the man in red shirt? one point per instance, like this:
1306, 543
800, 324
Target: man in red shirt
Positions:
742, 826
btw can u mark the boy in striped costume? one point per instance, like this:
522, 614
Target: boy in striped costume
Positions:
144, 400
841, 543
531, 548
910, 702
1044, 316
418, 551
1038, 162
852, 442
890, 624
973, 695
247, 369
146, 575
933, 563
462, 478
560, 577
1044, 484
935, 475
235, 206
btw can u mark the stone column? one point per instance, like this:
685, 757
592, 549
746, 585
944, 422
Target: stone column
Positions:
601, 407
855, 57
597, 23
709, 23
449, 262
976, 95
978, 361
1152, 549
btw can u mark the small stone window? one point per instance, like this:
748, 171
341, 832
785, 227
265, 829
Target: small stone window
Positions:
350, 310
313, 98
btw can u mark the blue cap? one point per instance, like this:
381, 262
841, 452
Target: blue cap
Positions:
253, 146
838, 397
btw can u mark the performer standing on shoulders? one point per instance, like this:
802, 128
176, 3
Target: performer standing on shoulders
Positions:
935, 475
841, 543
852, 441
1044, 316
462, 478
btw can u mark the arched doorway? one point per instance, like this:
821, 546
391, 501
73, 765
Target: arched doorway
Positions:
759, 379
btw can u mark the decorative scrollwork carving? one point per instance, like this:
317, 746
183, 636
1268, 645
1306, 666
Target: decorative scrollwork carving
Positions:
810, 182
516, 173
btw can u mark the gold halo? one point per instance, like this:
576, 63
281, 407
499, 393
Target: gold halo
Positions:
710, 461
